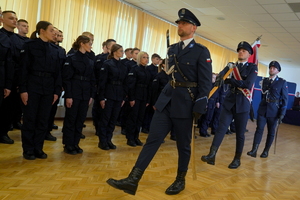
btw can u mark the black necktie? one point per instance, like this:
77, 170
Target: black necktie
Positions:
180, 45
271, 81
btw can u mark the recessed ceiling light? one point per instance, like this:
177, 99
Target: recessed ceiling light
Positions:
220, 18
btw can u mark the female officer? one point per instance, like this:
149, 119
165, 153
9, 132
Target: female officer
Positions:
139, 80
111, 92
79, 85
40, 85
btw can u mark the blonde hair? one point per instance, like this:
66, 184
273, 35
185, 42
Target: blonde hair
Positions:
139, 56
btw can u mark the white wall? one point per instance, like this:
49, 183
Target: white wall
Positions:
291, 75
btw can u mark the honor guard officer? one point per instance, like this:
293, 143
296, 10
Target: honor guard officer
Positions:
185, 94
236, 104
271, 109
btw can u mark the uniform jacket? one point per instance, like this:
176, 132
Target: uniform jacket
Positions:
235, 97
195, 63
274, 98
138, 81
112, 80
78, 77
6, 66
39, 57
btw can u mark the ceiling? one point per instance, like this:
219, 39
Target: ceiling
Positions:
227, 22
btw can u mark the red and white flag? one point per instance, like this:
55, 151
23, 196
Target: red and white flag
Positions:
254, 57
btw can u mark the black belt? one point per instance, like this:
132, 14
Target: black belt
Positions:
81, 78
141, 85
272, 100
41, 74
115, 82
183, 84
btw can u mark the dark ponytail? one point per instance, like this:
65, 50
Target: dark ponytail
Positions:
81, 39
40, 25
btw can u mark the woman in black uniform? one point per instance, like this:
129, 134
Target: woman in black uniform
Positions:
40, 85
111, 93
79, 85
139, 81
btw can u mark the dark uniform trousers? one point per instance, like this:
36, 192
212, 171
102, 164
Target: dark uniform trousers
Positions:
135, 119
160, 126
52, 115
271, 124
207, 117
225, 120
74, 115
108, 119
35, 120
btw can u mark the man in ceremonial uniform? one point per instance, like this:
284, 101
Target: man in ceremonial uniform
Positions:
236, 104
271, 109
182, 97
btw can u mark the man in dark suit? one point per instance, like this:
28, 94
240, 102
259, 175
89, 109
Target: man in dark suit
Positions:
186, 94
236, 104
271, 109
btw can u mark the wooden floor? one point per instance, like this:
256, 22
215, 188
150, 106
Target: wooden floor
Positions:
63, 176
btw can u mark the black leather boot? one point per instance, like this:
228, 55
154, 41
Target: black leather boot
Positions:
265, 152
211, 157
236, 161
178, 185
253, 152
129, 184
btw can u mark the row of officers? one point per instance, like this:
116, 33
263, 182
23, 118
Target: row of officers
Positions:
37, 71
123, 90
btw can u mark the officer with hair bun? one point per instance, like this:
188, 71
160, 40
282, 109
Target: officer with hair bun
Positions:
236, 104
271, 109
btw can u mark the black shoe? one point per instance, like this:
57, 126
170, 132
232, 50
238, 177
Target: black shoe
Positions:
54, 126
6, 140
138, 142
40, 154
232, 130
96, 133
204, 135
18, 125
212, 133
29, 155
103, 145
234, 164
264, 154
78, 149
84, 125
228, 132
178, 185
69, 149
111, 145
173, 137
82, 136
144, 130
50, 137
131, 143
129, 184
